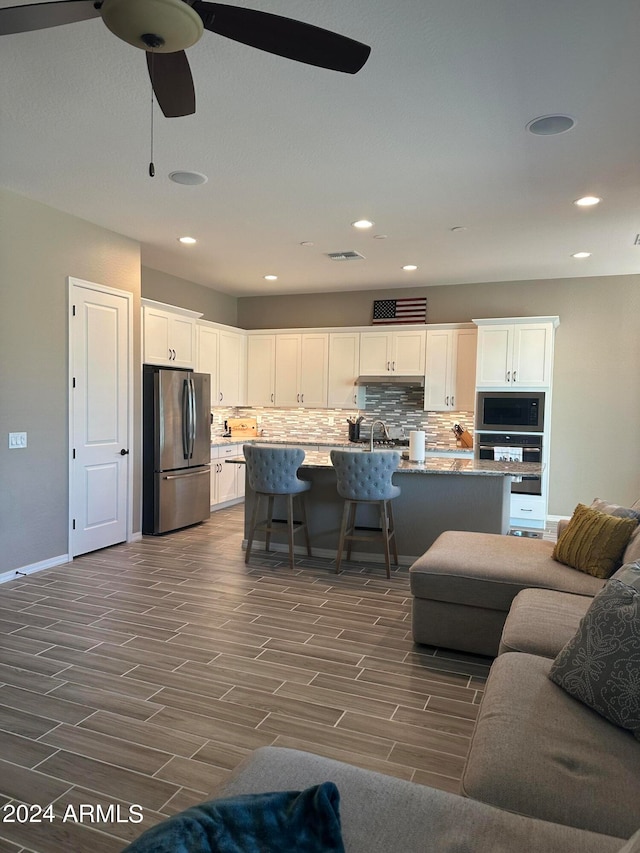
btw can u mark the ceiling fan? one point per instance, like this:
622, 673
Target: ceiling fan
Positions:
165, 28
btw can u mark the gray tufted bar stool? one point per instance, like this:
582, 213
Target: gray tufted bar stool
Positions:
273, 472
366, 478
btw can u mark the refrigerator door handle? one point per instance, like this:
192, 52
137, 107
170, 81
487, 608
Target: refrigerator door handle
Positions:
186, 417
192, 418
182, 476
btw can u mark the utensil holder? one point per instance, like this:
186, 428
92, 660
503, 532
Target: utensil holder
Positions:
354, 432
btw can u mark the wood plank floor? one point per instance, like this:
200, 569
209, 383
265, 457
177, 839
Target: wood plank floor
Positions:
144, 673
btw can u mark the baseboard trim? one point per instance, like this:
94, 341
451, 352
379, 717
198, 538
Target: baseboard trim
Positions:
34, 567
135, 537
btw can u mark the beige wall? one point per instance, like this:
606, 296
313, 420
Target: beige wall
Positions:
39, 248
596, 392
215, 306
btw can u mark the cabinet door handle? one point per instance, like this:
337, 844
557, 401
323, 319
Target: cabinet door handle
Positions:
393, 366
388, 367
446, 400
302, 398
220, 396
452, 401
508, 376
514, 376
272, 398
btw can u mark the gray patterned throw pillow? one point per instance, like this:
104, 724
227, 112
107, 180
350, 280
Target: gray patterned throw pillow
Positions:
600, 666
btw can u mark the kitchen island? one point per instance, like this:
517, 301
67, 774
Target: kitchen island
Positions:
441, 493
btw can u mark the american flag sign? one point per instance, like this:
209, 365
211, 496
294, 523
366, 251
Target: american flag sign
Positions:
399, 311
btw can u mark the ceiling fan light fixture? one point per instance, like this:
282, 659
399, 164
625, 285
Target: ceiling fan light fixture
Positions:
167, 26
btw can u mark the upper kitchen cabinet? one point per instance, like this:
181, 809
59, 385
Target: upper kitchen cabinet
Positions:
515, 353
222, 354
169, 334
450, 378
400, 353
344, 368
261, 370
301, 372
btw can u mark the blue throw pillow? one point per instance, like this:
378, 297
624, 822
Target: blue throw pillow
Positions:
279, 822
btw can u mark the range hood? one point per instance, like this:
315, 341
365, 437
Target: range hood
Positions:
391, 379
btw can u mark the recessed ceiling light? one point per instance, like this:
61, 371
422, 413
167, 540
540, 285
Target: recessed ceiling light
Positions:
409, 267
550, 125
581, 255
188, 179
363, 224
587, 201
188, 241
271, 277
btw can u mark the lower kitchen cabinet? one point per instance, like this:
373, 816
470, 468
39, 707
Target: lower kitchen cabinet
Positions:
227, 479
528, 510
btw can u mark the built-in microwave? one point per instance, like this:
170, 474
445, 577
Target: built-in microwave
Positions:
512, 411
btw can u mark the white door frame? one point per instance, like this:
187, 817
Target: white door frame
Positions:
101, 288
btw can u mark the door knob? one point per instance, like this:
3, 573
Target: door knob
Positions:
124, 452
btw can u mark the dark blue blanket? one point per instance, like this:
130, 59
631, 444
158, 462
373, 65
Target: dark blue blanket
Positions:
281, 822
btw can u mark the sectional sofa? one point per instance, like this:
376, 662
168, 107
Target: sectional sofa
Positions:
544, 771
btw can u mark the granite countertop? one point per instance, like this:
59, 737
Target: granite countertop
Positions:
305, 441
436, 465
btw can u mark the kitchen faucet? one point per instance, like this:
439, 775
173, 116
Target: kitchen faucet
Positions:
373, 428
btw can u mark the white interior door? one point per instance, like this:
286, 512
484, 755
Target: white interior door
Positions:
100, 368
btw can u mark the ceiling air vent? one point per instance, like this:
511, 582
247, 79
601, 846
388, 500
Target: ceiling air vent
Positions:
346, 256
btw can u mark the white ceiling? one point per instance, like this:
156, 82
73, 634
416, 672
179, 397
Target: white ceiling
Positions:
428, 136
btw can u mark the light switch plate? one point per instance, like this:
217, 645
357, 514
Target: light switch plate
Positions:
17, 439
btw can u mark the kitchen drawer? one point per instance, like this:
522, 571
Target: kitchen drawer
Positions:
228, 450
527, 507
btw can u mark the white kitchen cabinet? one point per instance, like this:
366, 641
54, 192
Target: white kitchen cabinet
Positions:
231, 368
169, 335
221, 353
515, 353
400, 353
261, 370
344, 368
450, 370
227, 478
528, 510
301, 370
208, 356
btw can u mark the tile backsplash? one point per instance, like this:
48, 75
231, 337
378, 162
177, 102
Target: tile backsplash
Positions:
396, 405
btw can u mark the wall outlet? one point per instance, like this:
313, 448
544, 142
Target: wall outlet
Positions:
331, 421
17, 440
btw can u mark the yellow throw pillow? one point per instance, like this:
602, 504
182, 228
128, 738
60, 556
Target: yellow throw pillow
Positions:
594, 542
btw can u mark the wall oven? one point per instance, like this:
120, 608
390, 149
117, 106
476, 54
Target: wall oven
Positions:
510, 411
513, 447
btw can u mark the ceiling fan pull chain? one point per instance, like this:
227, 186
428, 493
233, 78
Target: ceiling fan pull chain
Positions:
152, 168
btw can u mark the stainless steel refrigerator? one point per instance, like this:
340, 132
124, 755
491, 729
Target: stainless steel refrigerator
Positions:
176, 448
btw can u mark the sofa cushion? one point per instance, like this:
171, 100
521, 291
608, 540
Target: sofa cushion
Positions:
542, 621
381, 813
632, 551
632, 845
538, 751
594, 541
600, 665
489, 570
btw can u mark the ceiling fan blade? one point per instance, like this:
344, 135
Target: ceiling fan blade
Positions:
39, 16
172, 83
284, 36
